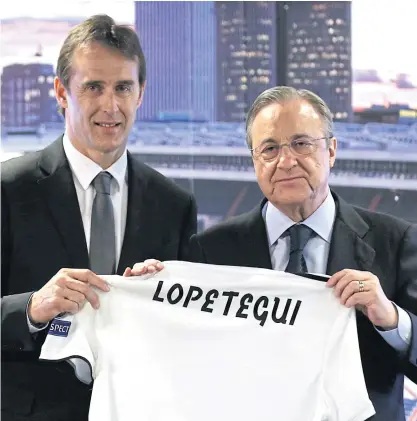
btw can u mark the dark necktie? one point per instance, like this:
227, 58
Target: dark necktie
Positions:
103, 238
299, 234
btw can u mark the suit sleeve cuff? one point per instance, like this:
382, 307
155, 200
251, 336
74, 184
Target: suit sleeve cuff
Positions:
399, 338
34, 327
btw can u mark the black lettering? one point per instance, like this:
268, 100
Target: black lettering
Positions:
263, 316
283, 318
209, 300
171, 292
158, 290
231, 295
295, 312
243, 306
190, 296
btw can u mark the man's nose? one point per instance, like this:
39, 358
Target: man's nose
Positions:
286, 158
110, 103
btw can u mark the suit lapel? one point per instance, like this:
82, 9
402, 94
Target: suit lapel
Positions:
138, 225
348, 250
253, 243
58, 190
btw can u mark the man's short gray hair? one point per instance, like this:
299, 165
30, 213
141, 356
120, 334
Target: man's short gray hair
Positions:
283, 94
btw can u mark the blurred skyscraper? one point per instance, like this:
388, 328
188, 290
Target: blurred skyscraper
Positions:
300, 44
246, 55
314, 48
178, 39
27, 96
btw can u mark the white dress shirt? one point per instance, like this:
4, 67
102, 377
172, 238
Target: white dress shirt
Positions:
84, 170
316, 254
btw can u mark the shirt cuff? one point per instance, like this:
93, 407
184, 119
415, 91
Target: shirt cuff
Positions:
34, 327
400, 337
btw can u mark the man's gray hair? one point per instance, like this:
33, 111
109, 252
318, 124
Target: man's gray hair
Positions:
283, 94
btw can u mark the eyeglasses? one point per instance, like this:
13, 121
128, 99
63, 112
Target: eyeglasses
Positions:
300, 146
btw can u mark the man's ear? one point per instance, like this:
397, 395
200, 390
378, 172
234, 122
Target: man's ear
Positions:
60, 93
332, 151
141, 93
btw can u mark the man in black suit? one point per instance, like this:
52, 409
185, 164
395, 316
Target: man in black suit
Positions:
80, 208
302, 226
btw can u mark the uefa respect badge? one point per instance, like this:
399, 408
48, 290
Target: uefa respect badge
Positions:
59, 327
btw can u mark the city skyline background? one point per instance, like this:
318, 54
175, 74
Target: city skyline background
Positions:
379, 53
391, 39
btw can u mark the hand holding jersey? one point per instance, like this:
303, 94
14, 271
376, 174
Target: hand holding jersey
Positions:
363, 290
148, 266
70, 289
66, 292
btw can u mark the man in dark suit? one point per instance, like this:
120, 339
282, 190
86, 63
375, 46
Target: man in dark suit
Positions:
302, 226
81, 208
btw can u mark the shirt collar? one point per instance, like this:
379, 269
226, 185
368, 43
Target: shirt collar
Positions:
86, 170
321, 221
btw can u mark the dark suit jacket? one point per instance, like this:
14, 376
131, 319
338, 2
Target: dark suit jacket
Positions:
42, 232
361, 240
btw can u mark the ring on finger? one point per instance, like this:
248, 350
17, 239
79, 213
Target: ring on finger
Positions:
361, 286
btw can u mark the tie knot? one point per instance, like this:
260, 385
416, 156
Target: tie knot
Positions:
299, 234
102, 182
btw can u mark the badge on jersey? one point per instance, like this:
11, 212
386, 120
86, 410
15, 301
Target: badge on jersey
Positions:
59, 327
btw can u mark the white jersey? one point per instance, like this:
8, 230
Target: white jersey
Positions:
204, 342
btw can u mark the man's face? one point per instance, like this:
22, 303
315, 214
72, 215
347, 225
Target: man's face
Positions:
102, 99
292, 179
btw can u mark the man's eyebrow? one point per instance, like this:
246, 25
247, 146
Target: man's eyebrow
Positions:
101, 82
293, 137
298, 135
268, 140
92, 83
126, 82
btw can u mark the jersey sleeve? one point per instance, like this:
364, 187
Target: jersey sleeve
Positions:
344, 389
71, 338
